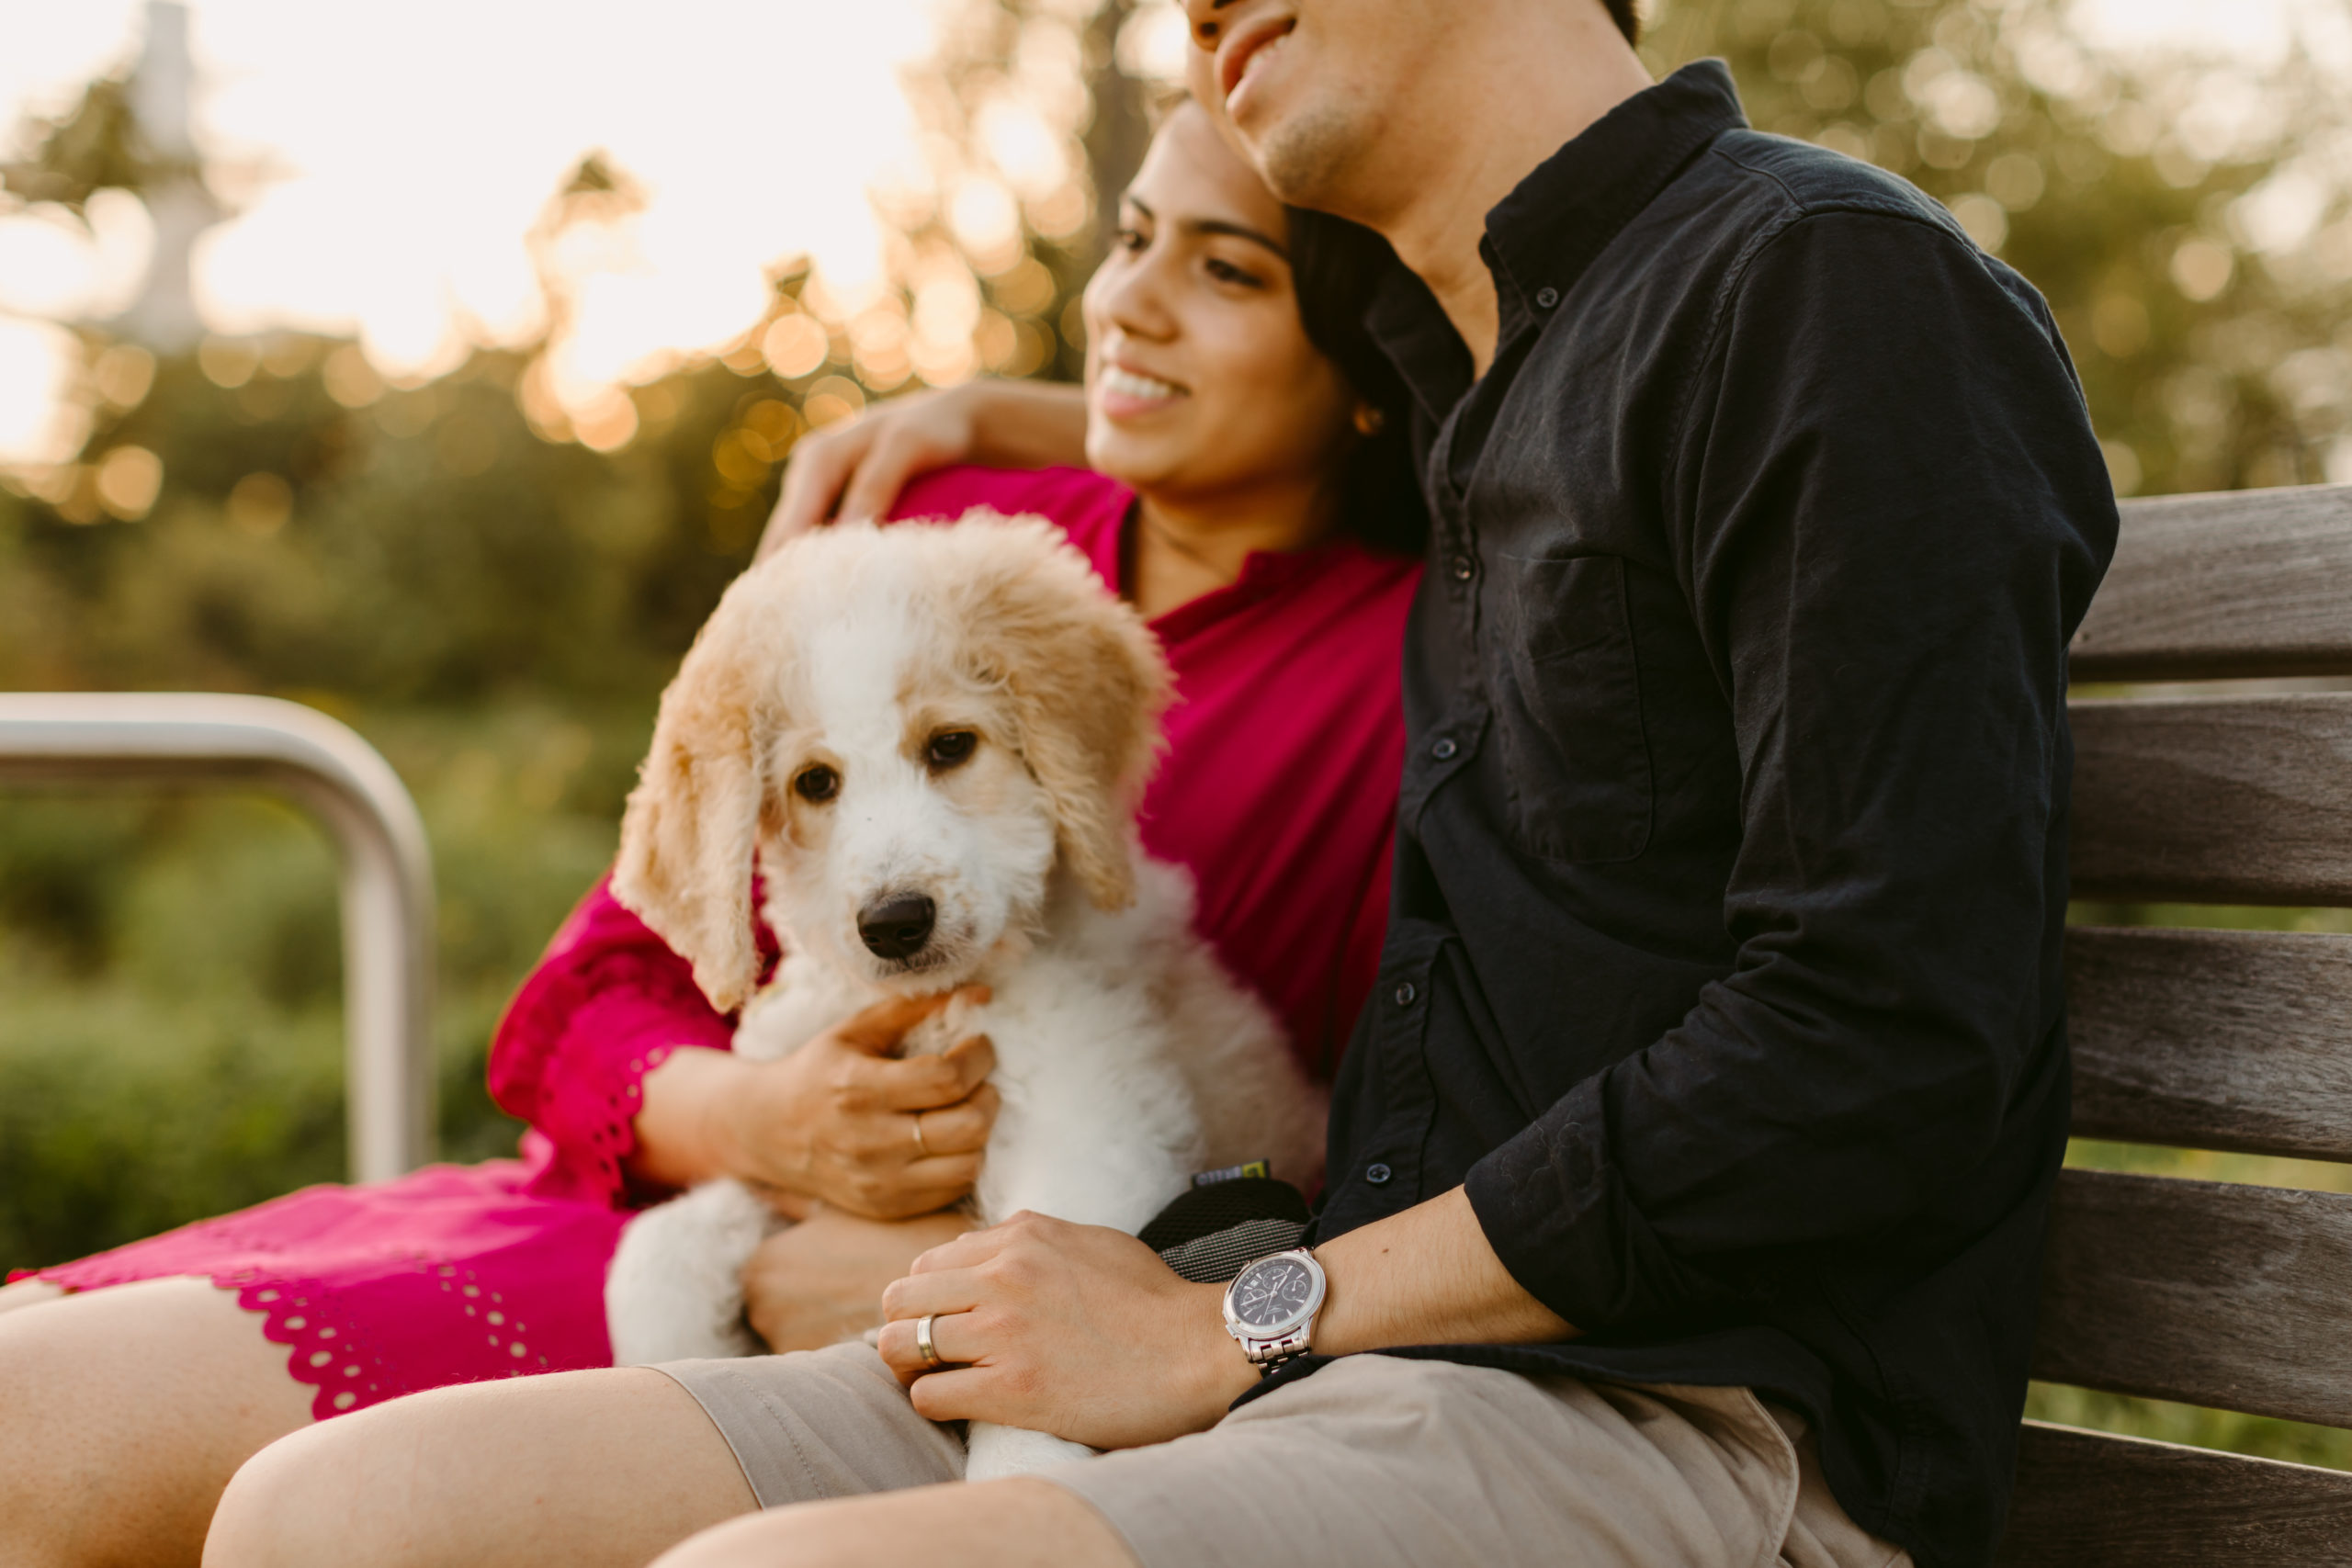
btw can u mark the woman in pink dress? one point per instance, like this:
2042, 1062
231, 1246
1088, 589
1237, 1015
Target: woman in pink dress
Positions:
1249, 493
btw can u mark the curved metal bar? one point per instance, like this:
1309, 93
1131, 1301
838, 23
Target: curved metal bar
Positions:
387, 871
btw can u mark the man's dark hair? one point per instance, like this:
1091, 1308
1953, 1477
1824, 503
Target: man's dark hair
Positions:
1335, 266
1628, 21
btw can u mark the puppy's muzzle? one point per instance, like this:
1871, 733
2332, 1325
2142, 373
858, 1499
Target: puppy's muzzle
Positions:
897, 926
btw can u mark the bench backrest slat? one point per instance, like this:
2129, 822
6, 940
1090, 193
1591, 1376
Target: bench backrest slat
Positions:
2216, 800
2252, 582
2207, 1293
2235, 1297
2213, 1040
2085, 1500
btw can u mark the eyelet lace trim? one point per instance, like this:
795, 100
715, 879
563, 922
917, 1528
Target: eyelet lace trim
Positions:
328, 1350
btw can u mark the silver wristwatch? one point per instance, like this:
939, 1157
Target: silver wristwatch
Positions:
1270, 1307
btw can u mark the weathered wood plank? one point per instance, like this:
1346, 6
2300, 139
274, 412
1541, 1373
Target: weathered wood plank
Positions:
2252, 582
2223, 800
2086, 1500
2212, 1040
2207, 1293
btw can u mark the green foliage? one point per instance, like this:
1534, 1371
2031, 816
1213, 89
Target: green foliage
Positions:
171, 1044
2209, 361
100, 145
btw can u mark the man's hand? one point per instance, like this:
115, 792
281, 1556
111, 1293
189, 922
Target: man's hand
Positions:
856, 470
821, 1282
1077, 1330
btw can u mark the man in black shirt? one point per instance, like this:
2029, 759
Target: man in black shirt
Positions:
1720, 1014
1698, 1141
1719, 1038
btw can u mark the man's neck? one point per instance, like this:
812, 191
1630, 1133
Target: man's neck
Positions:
1533, 95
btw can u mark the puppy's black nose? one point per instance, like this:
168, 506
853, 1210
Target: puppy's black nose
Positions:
897, 927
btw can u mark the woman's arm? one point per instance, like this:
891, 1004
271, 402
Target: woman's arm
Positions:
857, 469
613, 1055
821, 1282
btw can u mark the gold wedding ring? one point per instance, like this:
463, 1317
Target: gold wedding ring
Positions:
932, 1360
922, 1150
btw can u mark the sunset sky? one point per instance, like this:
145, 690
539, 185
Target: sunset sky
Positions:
388, 160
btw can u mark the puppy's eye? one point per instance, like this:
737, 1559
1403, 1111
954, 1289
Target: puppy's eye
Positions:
951, 748
818, 784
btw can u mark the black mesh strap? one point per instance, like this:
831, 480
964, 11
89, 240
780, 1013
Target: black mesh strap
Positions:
1212, 1232
1217, 1258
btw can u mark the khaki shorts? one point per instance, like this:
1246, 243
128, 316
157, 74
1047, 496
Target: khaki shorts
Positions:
1372, 1461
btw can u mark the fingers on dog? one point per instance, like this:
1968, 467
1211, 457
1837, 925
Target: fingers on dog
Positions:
878, 1030
930, 1294
973, 1059
896, 454
959, 1129
812, 483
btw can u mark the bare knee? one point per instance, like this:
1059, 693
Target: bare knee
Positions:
122, 1413
29, 1292
1015, 1523
285, 1506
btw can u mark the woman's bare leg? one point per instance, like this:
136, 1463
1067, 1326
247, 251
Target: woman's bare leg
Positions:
123, 1413
27, 1292
582, 1468
1020, 1522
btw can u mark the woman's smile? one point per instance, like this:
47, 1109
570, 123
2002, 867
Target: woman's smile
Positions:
1125, 395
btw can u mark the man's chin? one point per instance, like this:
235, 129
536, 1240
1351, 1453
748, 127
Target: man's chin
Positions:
1303, 156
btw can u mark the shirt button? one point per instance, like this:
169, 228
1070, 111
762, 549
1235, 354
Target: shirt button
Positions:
1464, 566
1547, 297
1378, 1175
1405, 992
1444, 750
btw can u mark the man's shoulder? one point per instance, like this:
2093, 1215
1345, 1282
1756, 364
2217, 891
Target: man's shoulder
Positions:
1829, 216
1769, 181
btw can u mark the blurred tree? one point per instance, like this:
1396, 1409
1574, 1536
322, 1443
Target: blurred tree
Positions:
98, 145
2187, 217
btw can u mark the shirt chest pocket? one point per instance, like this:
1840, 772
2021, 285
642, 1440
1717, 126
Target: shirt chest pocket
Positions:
1568, 708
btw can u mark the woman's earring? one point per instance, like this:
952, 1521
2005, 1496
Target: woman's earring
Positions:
1370, 420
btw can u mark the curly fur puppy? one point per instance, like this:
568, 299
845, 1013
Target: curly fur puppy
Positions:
932, 739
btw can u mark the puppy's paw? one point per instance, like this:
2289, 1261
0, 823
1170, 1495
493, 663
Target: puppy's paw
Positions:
997, 1451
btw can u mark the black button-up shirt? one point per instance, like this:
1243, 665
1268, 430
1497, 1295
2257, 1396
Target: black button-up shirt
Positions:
1723, 965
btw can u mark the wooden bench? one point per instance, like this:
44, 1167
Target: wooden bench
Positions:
2233, 1297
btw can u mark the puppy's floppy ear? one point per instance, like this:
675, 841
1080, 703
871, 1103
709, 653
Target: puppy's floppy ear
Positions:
1089, 682
690, 834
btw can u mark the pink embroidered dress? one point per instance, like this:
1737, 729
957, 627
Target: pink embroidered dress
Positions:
1278, 792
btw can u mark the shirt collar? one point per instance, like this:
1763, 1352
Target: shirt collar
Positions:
1548, 230
1542, 237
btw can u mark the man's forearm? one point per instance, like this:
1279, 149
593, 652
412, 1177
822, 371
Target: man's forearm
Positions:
1028, 425
1425, 1277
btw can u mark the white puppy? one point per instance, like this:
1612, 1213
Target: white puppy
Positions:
932, 738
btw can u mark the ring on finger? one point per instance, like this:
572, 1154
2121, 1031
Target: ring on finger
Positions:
924, 1347
922, 1150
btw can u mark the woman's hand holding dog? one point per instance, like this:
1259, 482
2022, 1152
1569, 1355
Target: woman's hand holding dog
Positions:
821, 1282
834, 1122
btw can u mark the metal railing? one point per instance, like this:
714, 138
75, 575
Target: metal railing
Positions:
387, 873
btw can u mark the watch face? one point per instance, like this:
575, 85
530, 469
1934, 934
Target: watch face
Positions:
1273, 1294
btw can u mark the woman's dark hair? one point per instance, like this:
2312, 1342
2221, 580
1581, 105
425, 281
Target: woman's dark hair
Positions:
1335, 267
